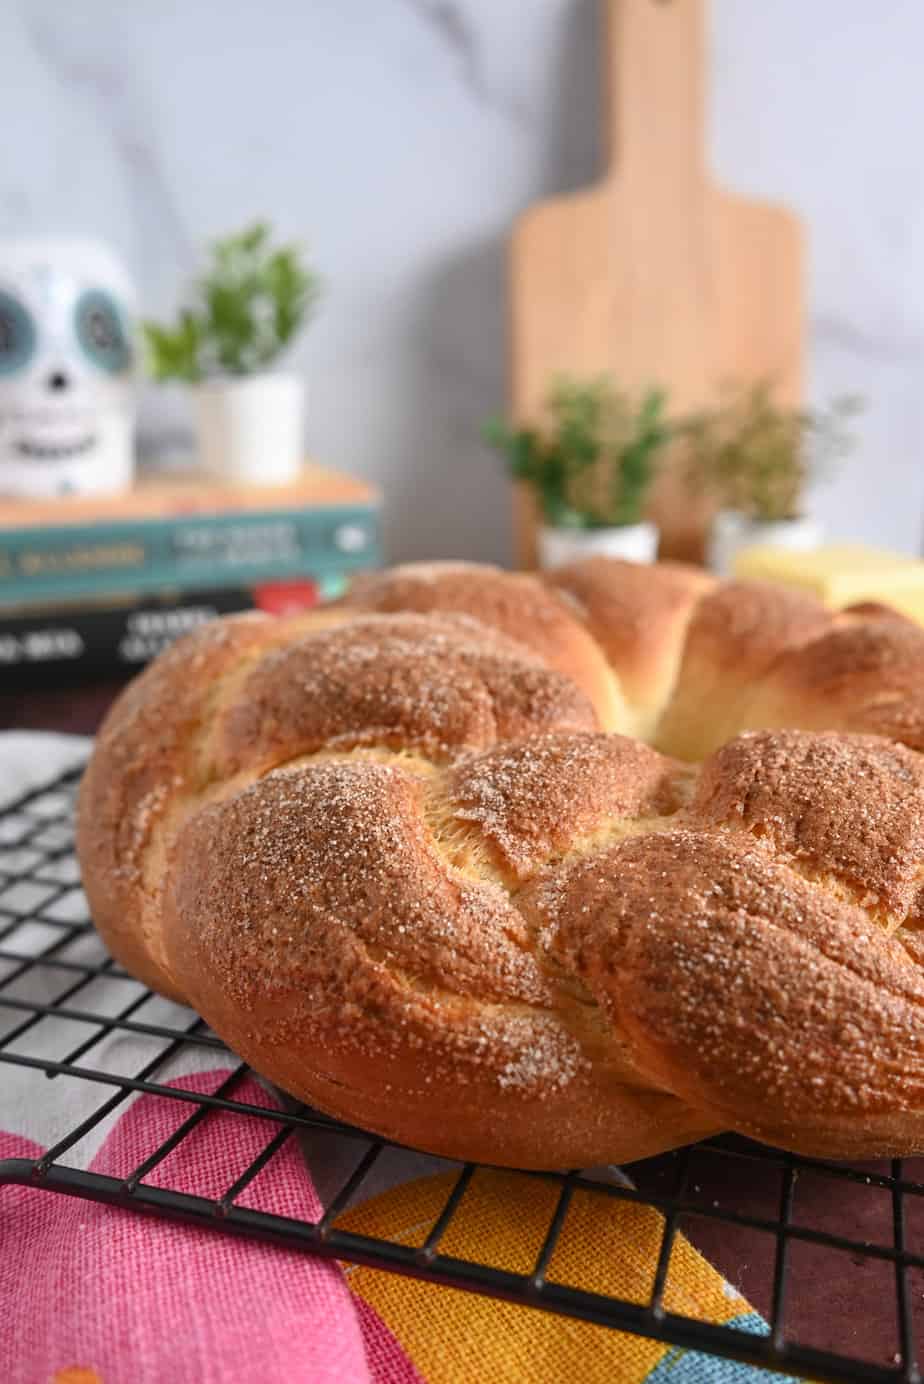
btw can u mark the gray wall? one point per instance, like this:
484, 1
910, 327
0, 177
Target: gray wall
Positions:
399, 137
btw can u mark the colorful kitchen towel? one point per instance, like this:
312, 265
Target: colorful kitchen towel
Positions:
95, 1295
131, 1299
607, 1246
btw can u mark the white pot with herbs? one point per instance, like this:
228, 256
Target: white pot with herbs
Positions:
758, 460
243, 312
590, 463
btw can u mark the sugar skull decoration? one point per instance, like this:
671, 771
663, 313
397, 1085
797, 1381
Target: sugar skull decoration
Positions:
67, 377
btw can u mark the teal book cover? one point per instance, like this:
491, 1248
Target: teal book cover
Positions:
193, 536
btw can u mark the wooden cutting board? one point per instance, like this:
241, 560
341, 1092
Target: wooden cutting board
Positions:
655, 274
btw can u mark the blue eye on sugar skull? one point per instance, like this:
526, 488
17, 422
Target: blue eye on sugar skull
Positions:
101, 332
17, 334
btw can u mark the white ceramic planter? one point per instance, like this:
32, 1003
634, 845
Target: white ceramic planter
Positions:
731, 533
250, 429
632, 542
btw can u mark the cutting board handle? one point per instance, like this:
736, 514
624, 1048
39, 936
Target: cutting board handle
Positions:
655, 86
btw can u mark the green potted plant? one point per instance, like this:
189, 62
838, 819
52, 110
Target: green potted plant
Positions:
590, 462
241, 313
758, 459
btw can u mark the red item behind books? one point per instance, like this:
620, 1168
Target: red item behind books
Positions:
286, 597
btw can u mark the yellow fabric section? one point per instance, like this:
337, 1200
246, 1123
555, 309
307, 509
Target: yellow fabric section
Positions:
607, 1246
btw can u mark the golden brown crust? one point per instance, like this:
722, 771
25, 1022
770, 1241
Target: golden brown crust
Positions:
845, 808
533, 800
862, 676
355, 937
143, 757
876, 610
638, 615
394, 862
212, 708
433, 683
736, 635
772, 1006
516, 605
339, 848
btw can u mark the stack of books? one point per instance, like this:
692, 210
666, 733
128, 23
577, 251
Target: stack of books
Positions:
95, 588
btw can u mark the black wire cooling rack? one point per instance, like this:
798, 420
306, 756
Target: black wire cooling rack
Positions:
830, 1254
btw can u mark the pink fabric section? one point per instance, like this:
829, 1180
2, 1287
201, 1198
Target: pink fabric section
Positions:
387, 1362
142, 1301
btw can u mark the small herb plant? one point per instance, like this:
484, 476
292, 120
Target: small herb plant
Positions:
592, 459
758, 458
243, 310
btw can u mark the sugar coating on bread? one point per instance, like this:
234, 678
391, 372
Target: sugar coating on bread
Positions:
410, 857
776, 1001
848, 808
531, 799
515, 605
436, 683
860, 675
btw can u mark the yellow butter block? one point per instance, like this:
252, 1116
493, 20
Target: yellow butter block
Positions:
842, 574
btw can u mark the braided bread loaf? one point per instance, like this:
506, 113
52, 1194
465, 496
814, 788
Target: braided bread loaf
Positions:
545, 872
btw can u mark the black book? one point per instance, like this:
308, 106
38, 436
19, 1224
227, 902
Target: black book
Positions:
109, 637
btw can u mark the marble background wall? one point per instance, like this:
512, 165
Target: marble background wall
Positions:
398, 138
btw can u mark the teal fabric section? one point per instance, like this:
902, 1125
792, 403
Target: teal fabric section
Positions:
692, 1367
